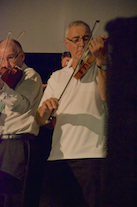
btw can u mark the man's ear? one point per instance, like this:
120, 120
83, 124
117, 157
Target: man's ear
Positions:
22, 56
66, 42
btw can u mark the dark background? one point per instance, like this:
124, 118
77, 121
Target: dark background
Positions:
121, 174
44, 63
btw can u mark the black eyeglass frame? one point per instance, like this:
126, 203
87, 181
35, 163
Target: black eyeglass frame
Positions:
10, 59
78, 40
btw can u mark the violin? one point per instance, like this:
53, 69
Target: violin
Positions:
11, 77
86, 58
87, 61
84, 66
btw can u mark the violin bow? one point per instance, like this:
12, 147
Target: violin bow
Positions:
20, 34
8, 36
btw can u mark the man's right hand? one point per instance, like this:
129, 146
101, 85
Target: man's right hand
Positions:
43, 113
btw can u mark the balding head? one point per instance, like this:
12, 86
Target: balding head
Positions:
11, 43
13, 53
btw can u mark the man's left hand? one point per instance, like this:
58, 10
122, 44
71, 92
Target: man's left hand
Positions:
99, 49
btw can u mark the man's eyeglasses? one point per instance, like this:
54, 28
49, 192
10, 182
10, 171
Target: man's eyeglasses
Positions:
77, 40
10, 59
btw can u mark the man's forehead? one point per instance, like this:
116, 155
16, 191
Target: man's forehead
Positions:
10, 47
8, 44
77, 30
66, 59
8, 52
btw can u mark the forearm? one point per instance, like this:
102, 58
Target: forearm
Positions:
102, 83
24, 96
99, 50
14, 101
47, 108
41, 117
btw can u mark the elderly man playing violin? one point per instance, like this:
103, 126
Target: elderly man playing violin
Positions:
19, 99
74, 166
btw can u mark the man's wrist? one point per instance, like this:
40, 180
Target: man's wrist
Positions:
102, 67
47, 121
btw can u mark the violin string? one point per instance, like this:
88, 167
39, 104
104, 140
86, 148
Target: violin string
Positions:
8, 36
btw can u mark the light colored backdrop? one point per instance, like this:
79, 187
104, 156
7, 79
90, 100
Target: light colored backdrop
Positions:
44, 21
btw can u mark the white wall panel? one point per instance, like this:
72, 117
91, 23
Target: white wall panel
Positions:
44, 21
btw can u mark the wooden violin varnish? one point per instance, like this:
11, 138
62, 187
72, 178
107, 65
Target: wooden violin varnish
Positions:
11, 77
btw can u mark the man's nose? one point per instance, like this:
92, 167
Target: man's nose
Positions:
81, 43
6, 64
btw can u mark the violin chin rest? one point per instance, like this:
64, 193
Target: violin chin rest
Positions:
11, 78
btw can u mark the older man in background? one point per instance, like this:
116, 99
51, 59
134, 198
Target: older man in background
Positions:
20, 94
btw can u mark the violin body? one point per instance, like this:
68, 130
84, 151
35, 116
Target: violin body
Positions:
87, 60
11, 77
85, 65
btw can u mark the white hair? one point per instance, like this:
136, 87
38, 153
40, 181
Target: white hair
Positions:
76, 23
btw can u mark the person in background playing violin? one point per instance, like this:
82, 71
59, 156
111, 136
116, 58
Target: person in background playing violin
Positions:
18, 106
74, 166
65, 57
